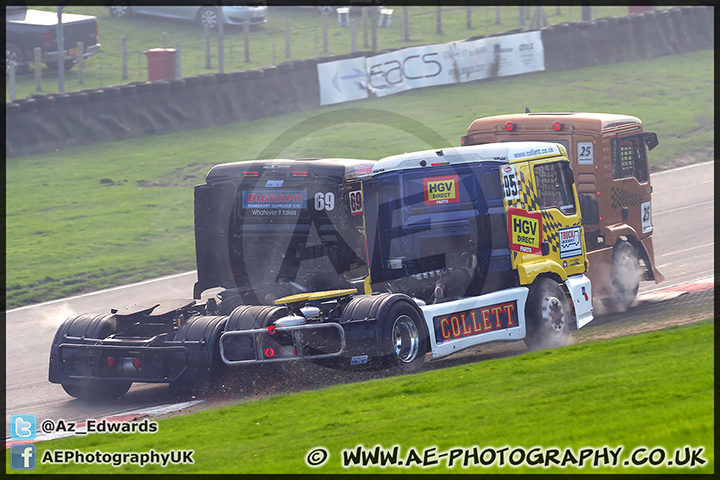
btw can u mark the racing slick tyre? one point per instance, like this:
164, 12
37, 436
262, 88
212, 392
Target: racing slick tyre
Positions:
625, 275
548, 315
403, 338
97, 389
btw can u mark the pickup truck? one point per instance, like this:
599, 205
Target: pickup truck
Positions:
26, 29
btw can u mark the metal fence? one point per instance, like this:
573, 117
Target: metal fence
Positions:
124, 62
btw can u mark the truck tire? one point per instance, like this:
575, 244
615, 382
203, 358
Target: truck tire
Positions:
548, 315
120, 8
625, 275
97, 389
403, 336
12, 52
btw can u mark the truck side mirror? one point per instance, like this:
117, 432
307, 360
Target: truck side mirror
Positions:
651, 140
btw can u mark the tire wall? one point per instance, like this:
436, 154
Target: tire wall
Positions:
44, 123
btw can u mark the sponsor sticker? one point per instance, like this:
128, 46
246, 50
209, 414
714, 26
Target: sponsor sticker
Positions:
274, 199
364, 171
441, 190
274, 183
570, 242
525, 231
359, 360
476, 321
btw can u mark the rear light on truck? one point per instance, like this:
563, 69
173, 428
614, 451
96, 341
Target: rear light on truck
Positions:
557, 126
136, 363
47, 38
509, 126
110, 361
300, 174
251, 174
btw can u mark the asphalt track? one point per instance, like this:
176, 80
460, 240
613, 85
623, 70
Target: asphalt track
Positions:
683, 218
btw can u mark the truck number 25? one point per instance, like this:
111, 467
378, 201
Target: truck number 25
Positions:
325, 201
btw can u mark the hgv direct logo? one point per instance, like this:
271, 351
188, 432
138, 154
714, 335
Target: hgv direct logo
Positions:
441, 190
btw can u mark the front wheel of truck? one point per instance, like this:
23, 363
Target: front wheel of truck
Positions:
548, 315
97, 389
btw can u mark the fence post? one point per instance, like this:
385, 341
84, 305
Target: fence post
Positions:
164, 40
374, 27
246, 38
353, 35
468, 16
81, 63
406, 23
497, 14
522, 16
438, 20
365, 26
325, 31
287, 37
37, 53
11, 80
124, 51
178, 61
208, 63
557, 10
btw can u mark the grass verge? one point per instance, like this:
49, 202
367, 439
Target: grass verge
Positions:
649, 390
92, 217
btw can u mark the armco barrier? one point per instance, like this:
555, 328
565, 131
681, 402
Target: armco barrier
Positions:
43, 123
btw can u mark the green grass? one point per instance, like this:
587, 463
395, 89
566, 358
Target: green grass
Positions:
267, 42
651, 390
68, 232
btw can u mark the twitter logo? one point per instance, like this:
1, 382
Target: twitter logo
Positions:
23, 427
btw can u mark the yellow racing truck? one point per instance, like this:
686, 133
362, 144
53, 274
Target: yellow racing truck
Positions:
354, 264
608, 154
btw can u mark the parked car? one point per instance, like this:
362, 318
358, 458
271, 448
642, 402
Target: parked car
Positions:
27, 29
207, 16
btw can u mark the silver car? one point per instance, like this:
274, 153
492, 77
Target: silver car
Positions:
207, 16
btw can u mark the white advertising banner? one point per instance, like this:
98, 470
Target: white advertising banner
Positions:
342, 81
499, 56
409, 68
430, 65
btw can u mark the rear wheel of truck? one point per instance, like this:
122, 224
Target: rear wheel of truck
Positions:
98, 389
625, 275
548, 315
403, 335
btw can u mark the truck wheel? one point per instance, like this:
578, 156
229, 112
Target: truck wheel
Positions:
98, 389
625, 274
208, 17
405, 343
548, 316
12, 52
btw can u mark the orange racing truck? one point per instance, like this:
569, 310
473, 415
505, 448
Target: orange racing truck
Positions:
608, 154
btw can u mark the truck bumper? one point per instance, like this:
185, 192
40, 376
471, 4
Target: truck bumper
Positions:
581, 295
76, 362
71, 54
282, 344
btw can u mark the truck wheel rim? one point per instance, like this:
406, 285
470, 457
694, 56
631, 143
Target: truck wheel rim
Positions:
209, 19
553, 315
406, 339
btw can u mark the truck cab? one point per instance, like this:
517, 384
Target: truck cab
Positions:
608, 155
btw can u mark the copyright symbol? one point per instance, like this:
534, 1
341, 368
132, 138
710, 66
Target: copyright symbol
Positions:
47, 426
316, 457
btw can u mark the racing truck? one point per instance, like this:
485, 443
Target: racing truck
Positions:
608, 154
353, 264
